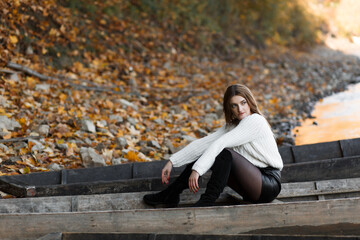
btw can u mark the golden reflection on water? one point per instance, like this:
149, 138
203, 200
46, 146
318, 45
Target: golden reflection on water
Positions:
337, 117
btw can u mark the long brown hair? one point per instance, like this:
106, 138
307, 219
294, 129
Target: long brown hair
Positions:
238, 90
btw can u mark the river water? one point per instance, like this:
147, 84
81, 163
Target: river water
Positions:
336, 117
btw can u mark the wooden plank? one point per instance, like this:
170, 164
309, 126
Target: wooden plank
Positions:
286, 154
152, 169
299, 172
126, 201
152, 236
350, 147
315, 152
35, 179
339, 168
108, 173
94, 178
211, 220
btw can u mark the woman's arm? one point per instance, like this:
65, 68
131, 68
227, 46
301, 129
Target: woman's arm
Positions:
246, 131
195, 149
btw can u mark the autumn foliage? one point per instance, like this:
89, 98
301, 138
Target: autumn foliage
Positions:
159, 66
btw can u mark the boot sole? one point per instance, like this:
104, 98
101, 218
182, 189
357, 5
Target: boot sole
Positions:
160, 204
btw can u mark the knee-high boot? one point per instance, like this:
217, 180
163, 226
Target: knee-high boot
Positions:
170, 197
217, 182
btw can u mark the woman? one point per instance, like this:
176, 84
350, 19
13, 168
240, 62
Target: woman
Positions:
242, 154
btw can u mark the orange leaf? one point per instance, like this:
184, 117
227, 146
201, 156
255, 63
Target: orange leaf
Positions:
132, 156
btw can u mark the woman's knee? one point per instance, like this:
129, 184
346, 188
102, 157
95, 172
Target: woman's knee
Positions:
224, 157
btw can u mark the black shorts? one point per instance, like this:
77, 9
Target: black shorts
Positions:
271, 184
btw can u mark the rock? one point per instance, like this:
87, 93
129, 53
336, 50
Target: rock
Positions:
159, 121
43, 130
131, 120
210, 117
4, 102
42, 87
88, 126
146, 149
219, 110
117, 161
116, 118
8, 124
4, 134
154, 144
14, 159
62, 146
201, 133
100, 147
90, 158
15, 77
113, 129
101, 124
175, 109
127, 104
188, 138
29, 50
199, 76
55, 167
37, 146
20, 145
121, 142
169, 145
3, 147
88, 141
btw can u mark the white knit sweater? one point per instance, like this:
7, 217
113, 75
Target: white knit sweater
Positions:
252, 138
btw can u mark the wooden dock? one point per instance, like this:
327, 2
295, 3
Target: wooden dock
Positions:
320, 199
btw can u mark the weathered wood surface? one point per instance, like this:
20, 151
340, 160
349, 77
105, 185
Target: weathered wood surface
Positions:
212, 220
151, 236
305, 163
320, 151
329, 189
348, 167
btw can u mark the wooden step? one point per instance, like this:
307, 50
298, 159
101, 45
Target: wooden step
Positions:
106, 182
320, 151
152, 236
210, 220
304, 191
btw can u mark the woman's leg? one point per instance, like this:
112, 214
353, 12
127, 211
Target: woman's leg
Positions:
170, 196
244, 177
219, 177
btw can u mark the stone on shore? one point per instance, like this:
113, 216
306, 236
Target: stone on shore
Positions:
90, 158
8, 124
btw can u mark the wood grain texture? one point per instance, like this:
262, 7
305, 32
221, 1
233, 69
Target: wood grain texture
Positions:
211, 220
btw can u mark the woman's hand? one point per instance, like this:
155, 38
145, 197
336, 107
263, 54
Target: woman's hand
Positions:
193, 181
165, 173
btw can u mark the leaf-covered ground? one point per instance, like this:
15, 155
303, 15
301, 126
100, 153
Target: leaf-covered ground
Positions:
132, 91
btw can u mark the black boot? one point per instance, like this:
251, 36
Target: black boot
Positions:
219, 177
170, 197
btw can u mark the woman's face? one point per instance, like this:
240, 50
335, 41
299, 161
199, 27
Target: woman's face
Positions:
239, 107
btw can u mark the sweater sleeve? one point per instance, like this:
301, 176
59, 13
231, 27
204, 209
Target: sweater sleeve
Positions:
195, 149
246, 131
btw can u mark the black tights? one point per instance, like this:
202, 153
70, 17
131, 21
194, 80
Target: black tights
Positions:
244, 177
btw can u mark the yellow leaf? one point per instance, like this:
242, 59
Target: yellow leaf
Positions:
23, 151
132, 156
25, 170
61, 110
13, 39
31, 82
7, 136
62, 97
